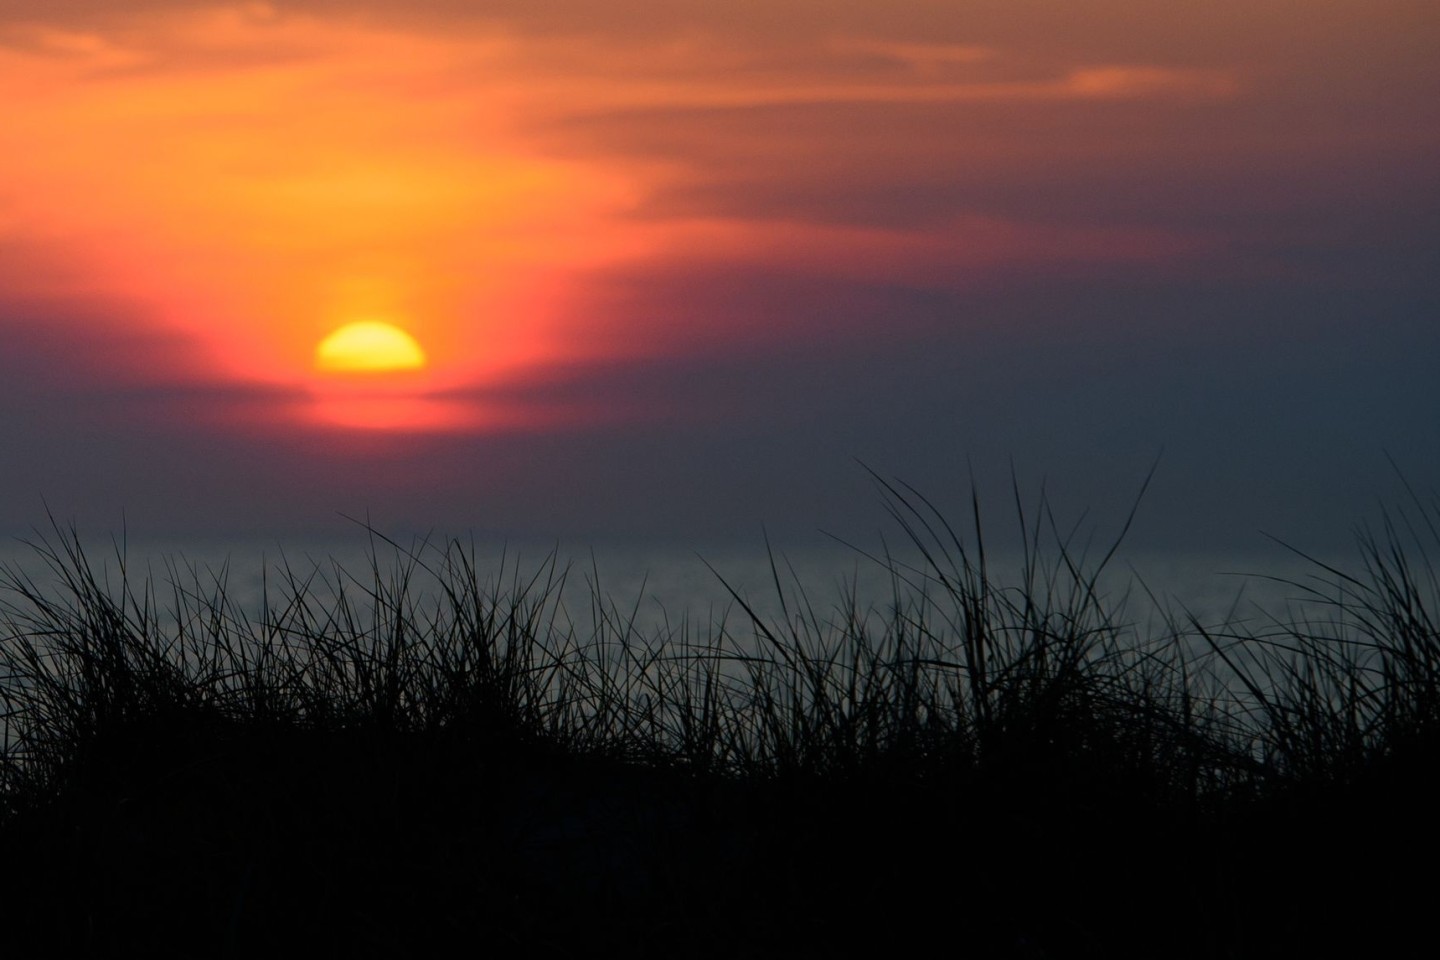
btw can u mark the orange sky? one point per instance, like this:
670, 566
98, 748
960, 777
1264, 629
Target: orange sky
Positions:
192, 196
255, 181
254, 175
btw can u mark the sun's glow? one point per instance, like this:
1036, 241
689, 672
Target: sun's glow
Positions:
369, 346
284, 174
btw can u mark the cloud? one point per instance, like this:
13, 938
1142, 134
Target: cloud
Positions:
698, 253
1132, 82
283, 171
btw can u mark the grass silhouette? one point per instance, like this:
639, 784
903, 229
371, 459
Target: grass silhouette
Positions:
426, 753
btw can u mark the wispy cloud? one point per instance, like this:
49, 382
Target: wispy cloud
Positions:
248, 176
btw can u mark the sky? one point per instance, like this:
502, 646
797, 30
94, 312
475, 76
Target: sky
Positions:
683, 270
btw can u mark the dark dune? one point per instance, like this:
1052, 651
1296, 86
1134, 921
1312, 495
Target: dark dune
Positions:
987, 769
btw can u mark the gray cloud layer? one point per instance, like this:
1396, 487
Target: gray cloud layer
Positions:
1276, 361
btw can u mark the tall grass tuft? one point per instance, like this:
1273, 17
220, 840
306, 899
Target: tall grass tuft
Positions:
998, 761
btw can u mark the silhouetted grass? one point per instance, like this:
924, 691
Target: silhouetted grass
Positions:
429, 753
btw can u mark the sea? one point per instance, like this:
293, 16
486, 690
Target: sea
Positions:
688, 597
655, 586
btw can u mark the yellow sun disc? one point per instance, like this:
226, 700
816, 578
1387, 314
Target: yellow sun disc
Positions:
369, 346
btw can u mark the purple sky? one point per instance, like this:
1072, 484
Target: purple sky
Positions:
676, 273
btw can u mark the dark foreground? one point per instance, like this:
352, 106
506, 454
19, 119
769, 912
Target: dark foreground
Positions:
977, 770
241, 845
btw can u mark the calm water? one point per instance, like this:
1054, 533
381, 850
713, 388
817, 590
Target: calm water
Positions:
656, 584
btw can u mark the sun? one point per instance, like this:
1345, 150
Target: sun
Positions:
369, 346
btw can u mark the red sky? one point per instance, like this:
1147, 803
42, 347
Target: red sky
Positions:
675, 265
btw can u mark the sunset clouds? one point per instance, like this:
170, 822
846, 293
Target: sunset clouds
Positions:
546, 194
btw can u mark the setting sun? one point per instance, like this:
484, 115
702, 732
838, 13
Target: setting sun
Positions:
369, 347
